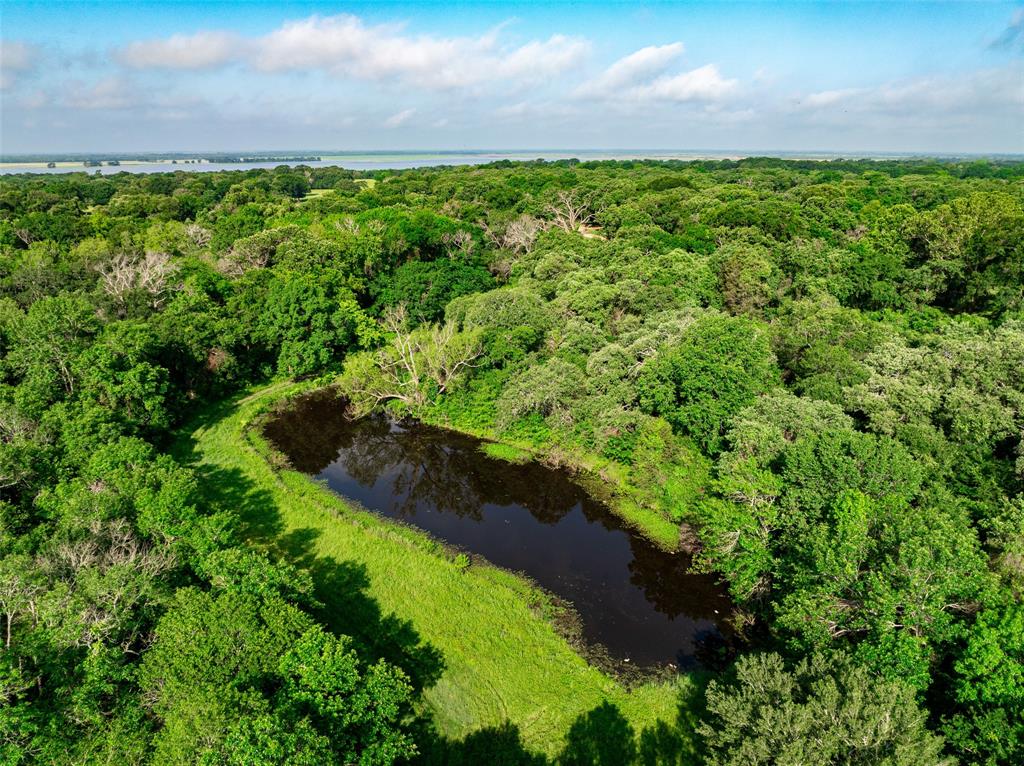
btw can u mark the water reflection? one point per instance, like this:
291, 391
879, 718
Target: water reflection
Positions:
637, 600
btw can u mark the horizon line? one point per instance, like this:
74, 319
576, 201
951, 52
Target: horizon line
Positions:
743, 153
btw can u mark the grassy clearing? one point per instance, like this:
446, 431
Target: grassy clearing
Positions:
394, 587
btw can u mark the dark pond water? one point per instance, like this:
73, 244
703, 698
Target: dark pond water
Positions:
636, 600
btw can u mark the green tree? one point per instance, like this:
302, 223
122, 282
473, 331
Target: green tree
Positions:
312, 320
426, 287
719, 366
989, 688
825, 710
238, 678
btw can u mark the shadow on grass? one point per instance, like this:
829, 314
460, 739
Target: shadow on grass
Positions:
600, 737
340, 586
492, 745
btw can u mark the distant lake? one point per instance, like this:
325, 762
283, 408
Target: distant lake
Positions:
405, 160
373, 161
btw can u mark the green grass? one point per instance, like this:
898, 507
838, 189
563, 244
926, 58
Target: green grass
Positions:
506, 452
503, 660
315, 193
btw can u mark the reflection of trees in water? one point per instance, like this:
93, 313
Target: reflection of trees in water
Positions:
431, 466
548, 494
665, 578
670, 586
309, 430
448, 472
426, 471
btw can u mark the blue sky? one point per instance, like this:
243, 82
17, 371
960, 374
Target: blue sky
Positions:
187, 76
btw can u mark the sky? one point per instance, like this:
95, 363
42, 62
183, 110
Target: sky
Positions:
746, 77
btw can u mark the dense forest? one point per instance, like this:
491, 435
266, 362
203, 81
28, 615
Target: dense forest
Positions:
809, 375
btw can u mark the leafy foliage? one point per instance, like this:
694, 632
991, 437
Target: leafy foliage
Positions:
825, 710
817, 367
719, 366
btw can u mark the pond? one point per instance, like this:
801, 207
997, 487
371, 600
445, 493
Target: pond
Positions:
641, 603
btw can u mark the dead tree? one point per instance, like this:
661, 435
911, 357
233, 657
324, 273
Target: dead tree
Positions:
458, 243
150, 273
199, 236
416, 362
570, 211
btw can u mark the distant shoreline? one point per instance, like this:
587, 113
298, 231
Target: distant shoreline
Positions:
78, 159
408, 160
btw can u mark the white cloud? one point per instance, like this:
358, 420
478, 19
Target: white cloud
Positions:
990, 91
203, 50
16, 58
642, 77
109, 93
399, 118
120, 93
639, 65
702, 84
830, 97
346, 47
541, 59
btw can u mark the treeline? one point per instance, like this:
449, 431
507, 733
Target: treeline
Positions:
818, 368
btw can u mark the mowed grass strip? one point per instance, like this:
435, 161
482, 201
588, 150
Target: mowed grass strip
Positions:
503, 661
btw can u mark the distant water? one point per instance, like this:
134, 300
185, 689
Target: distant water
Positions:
403, 160
361, 161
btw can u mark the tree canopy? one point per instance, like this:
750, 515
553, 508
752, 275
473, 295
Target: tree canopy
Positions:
810, 373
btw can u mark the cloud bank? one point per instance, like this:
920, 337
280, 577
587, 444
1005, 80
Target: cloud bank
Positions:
343, 81
16, 58
346, 47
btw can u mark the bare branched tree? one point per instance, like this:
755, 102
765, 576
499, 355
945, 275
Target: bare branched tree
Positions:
405, 370
14, 427
522, 233
519, 235
571, 211
199, 236
347, 225
351, 226
18, 595
458, 243
150, 273
447, 354
246, 257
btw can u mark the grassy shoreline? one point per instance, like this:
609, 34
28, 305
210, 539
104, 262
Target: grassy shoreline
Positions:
504, 661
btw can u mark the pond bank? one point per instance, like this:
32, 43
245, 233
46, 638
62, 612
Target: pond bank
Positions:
503, 662
639, 602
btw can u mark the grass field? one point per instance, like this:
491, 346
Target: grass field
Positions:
476, 638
